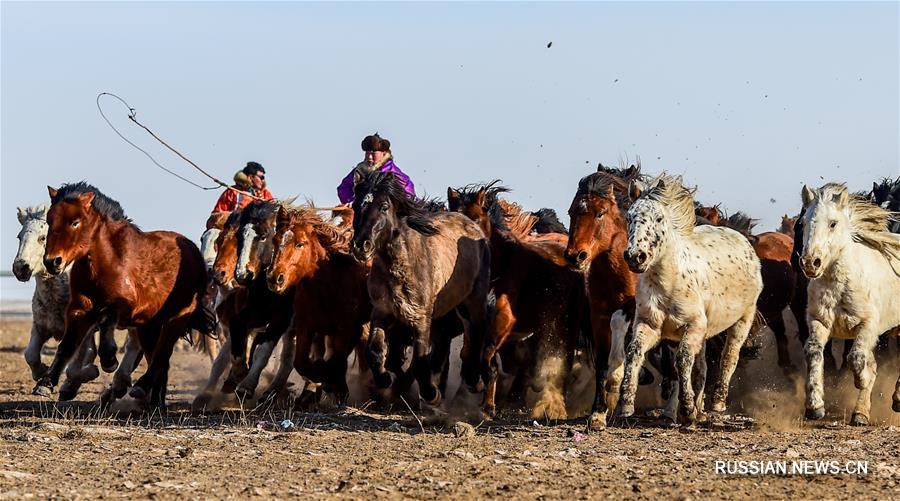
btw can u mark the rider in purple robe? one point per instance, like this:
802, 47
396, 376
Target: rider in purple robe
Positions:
378, 158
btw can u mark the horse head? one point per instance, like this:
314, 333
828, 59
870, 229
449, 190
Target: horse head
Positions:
475, 202
254, 240
594, 219
32, 239
298, 249
208, 239
826, 227
72, 223
655, 216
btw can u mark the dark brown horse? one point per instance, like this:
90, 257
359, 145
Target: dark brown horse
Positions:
153, 282
424, 267
598, 237
331, 298
535, 295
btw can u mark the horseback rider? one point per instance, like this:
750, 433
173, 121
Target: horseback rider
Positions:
251, 179
377, 158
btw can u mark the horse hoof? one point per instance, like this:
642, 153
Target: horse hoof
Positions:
896, 406
201, 403
138, 393
625, 410
90, 373
434, 402
109, 366
67, 394
597, 422
859, 420
42, 389
815, 414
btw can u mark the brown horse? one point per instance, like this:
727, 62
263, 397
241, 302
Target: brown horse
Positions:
331, 298
153, 282
787, 225
598, 237
535, 294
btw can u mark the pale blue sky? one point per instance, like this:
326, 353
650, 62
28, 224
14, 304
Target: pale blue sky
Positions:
747, 100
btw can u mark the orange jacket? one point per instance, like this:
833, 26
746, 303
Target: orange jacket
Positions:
231, 200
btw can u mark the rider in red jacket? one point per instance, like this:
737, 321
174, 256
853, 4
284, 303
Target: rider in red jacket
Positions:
251, 179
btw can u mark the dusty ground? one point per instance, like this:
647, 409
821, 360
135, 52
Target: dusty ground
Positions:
72, 451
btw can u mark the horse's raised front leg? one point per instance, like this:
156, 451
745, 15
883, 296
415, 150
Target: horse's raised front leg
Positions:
377, 352
644, 339
80, 370
80, 320
815, 359
862, 362
39, 337
285, 364
735, 336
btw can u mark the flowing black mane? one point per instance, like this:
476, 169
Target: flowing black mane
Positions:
234, 219
741, 223
598, 183
492, 190
411, 209
257, 210
102, 204
548, 222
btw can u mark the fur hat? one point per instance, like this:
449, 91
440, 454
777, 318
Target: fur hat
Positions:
376, 143
242, 180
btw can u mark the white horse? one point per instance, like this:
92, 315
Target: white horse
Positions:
696, 281
853, 263
48, 308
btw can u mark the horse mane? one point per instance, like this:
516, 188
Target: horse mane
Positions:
412, 209
257, 210
868, 222
598, 183
333, 237
434, 205
34, 212
671, 193
548, 222
741, 223
492, 191
101, 203
518, 221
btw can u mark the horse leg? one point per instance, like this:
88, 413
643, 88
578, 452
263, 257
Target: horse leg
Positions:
476, 366
864, 366
39, 337
441, 336
669, 386
551, 372
219, 366
644, 339
421, 368
151, 386
78, 324
609, 359
80, 370
122, 377
238, 330
896, 398
735, 336
336, 368
264, 346
814, 348
285, 365
691, 345
775, 322
503, 322
377, 352
107, 347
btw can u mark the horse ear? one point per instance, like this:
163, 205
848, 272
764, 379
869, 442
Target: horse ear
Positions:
600, 167
52, 192
842, 198
635, 188
807, 195
21, 213
611, 194
452, 197
86, 199
661, 183
630, 170
479, 198
282, 213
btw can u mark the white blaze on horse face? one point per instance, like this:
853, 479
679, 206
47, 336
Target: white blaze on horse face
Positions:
826, 231
208, 246
248, 235
33, 240
286, 238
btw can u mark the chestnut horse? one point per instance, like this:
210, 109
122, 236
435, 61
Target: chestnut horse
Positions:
153, 282
535, 294
330, 294
424, 267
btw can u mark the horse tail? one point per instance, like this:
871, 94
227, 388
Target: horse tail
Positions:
203, 319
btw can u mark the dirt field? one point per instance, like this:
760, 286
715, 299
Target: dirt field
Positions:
72, 451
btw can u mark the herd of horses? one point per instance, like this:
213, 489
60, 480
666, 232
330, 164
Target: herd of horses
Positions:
644, 277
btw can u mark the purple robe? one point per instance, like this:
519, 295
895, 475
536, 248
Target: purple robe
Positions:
345, 190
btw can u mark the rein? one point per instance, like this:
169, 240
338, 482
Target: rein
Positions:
132, 113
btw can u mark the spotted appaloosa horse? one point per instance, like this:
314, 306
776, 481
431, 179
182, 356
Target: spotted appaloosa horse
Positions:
424, 266
695, 283
153, 282
853, 263
48, 307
